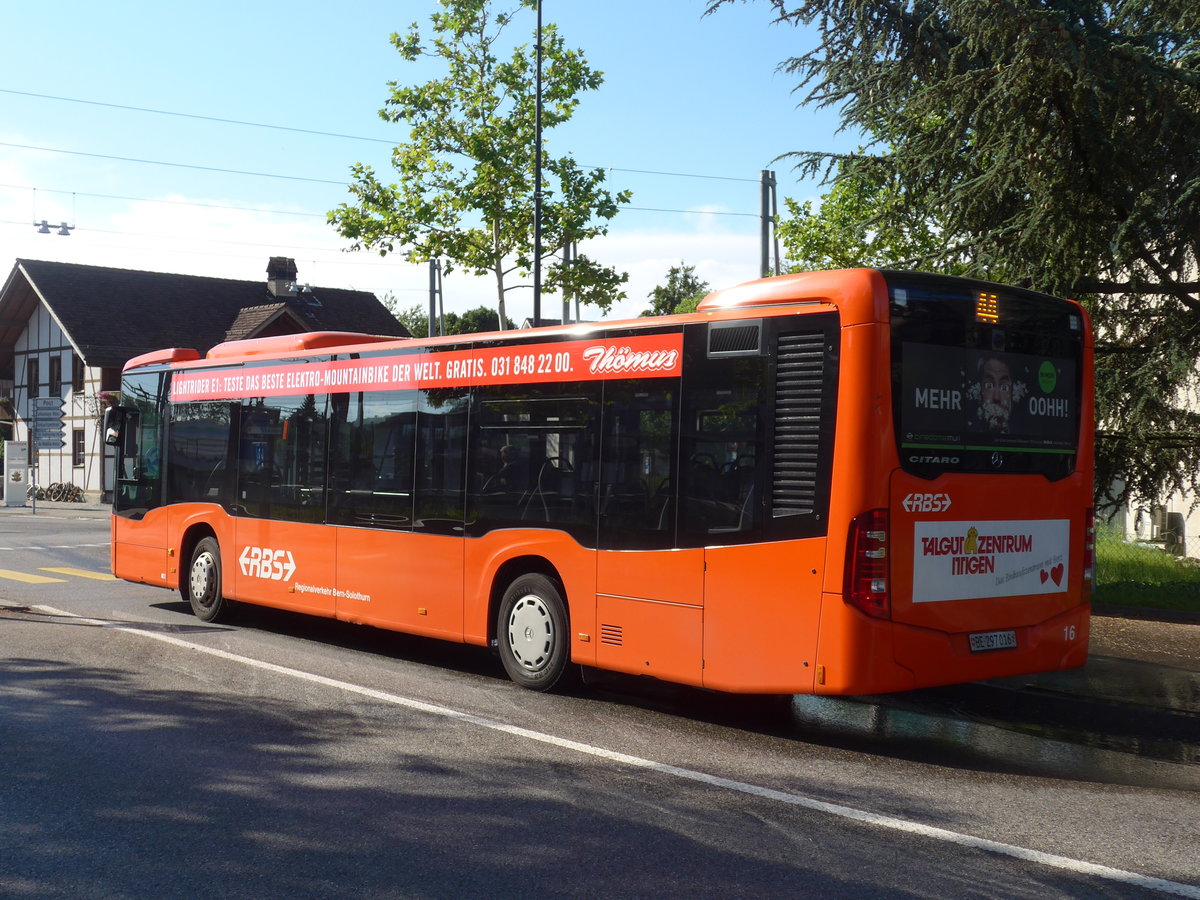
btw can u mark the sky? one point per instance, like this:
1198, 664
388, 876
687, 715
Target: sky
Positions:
691, 111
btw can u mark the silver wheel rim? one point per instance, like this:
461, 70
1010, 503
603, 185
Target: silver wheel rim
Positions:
203, 569
531, 633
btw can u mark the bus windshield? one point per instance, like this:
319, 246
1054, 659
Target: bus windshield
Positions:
984, 380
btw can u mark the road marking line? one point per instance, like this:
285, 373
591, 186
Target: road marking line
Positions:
894, 823
60, 546
78, 573
28, 579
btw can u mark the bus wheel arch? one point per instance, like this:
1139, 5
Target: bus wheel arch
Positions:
531, 624
201, 583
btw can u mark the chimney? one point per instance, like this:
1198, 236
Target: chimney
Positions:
281, 276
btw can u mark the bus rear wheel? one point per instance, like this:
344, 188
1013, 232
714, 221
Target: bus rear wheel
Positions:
532, 633
202, 586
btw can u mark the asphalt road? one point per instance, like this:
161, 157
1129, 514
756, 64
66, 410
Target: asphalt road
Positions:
143, 753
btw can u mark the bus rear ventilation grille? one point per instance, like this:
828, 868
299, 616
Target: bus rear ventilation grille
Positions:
613, 635
734, 339
798, 393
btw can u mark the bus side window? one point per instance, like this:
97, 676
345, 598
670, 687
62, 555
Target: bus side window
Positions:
639, 436
722, 425
373, 483
440, 462
532, 458
199, 451
281, 472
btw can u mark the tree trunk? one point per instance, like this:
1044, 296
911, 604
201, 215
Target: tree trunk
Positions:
502, 319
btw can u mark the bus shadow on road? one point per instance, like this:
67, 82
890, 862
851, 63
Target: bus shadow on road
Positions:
981, 727
45, 614
360, 638
984, 727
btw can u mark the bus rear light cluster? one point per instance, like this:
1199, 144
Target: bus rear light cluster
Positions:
866, 582
1089, 553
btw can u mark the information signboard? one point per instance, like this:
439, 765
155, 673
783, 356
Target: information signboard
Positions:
16, 465
47, 423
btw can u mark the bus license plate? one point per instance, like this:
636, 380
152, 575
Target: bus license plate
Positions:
993, 640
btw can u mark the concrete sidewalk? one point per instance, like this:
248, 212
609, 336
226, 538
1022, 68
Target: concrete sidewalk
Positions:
55, 508
1147, 635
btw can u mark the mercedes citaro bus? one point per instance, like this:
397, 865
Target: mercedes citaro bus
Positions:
834, 482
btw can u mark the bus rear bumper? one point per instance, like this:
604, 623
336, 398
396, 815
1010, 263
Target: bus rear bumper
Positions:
936, 658
876, 656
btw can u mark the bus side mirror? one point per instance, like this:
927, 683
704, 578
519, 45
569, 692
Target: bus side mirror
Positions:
114, 422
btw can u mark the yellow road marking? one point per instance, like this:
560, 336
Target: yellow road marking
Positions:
79, 573
28, 579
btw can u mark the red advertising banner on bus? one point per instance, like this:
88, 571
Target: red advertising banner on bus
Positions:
642, 356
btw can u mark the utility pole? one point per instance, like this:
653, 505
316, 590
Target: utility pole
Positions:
537, 181
567, 258
436, 325
770, 214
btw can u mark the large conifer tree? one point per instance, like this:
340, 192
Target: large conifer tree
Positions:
1056, 144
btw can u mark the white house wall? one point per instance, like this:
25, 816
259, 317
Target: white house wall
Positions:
42, 340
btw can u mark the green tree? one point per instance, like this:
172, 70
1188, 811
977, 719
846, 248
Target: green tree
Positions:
415, 318
474, 321
465, 176
1056, 144
682, 292
860, 221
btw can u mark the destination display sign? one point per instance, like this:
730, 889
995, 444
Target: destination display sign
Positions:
641, 356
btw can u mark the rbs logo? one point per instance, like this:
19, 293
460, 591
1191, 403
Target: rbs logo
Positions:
926, 503
262, 562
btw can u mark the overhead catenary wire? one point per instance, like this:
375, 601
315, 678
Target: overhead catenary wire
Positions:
340, 251
166, 200
159, 162
338, 256
351, 137
279, 176
26, 187
183, 115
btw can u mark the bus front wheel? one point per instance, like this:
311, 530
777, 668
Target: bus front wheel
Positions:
532, 633
202, 587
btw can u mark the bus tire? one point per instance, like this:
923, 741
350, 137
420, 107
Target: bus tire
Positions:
202, 586
533, 633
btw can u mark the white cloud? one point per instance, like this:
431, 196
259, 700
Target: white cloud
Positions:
211, 236
720, 258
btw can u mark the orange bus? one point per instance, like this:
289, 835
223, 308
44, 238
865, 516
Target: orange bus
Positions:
835, 482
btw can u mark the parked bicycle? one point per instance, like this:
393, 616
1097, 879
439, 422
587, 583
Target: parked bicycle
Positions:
59, 491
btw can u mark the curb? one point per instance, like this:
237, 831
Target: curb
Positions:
59, 506
1147, 614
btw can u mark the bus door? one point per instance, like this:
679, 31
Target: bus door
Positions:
649, 593
396, 491
757, 429
283, 555
139, 524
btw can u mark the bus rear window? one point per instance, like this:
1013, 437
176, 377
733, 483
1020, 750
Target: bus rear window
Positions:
984, 378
